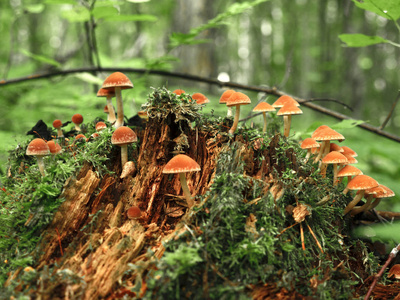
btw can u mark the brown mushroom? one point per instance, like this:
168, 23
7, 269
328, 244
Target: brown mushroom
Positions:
39, 149
122, 137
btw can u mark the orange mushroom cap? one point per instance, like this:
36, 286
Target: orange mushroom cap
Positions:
77, 119
117, 79
289, 109
123, 135
336, 147
54, 147
380, 191
362, 182
100, 126
349, 171
57, 124
225, 96
200, 98
105, 92
181, 163
179, 92
309, 143
238, 98
349, 152
334, 157
285, 99
263, 107
37, 147
326, 134
134, 212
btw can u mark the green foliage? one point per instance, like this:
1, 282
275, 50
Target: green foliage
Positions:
29, 200
361, 40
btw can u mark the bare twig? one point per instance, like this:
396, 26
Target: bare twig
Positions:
392, 255
328, 99
270, 91
390, 112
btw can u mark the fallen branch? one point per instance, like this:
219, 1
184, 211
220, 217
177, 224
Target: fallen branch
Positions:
267, 90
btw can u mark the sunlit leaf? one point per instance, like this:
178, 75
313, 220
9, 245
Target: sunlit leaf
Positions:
34, 8
104, 12
77, 14
89, 78
361, 40
347, 124
389, 9
41, 58
133, 18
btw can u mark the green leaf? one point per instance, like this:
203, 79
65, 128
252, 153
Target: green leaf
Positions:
389, 9
138, 1
104, 12
347, 124
134, 18
177, 39
361, 40
34, 8
87, 77
41, 58
77, 14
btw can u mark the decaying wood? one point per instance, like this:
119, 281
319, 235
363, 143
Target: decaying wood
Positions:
98, 240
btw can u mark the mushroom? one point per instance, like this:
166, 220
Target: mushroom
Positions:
57, 124
359, 183
283, 100
123, 136
54, 148
348, 171
349, 151
379, 193
394, 271
287, 111
182, 164
309, 143
109, 94
237, 99
335, 147
179, 92
334, 158
117, 81
264, 107
224, 98
200, 98
134, 213
100, 126
77, 119
38, 148
325, 134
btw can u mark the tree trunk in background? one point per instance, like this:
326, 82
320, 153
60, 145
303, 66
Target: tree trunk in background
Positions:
199, 59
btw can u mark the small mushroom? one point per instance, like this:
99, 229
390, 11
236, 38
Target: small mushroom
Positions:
333, 158
54, 148
40, 149
182, 164
359, 183
122, 137
237, 99
77, 119
117, 81
109, 94
224, 98
308, 144
283, 100
134, 213
200, 98
179, 92
264, 107
287, 111
100, 126
57, 124
394, 271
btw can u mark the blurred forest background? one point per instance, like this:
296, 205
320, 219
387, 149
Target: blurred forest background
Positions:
292, 45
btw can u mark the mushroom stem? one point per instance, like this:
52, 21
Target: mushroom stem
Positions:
362, 208
124, 154
41, 164
59, 133
322, 150
229, 113
111, 112
120, 108
335, 172
77, 128
354, 202
265, 121
374, 204
287, 120
235, 121
185, 190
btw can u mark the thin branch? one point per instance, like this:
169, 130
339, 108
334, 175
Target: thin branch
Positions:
390, 112
330, 100
270, 91
392, 255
